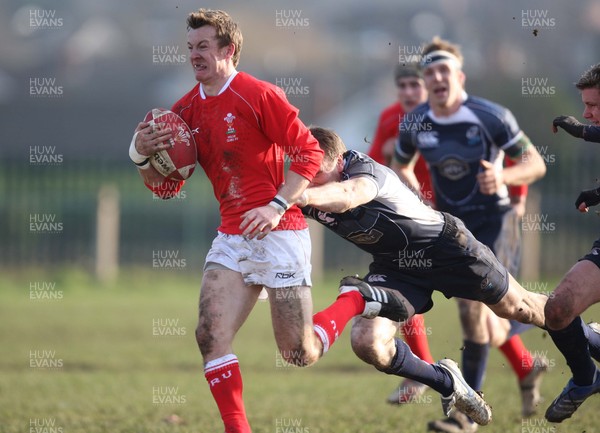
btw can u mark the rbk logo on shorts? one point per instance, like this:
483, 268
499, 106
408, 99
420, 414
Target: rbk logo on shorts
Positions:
285, 275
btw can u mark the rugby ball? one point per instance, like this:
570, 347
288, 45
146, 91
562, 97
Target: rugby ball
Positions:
179, 161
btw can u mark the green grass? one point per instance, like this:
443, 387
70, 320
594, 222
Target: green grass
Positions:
102, 335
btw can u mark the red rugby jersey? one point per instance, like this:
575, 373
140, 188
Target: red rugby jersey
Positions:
244, 136
389, 127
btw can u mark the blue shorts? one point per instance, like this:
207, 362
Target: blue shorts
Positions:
456, 264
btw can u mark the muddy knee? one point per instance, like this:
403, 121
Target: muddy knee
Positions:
298, 356
374, 344
558, 313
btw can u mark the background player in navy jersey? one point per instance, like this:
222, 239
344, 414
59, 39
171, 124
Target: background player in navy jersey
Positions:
415, 250
412, 93
464, 139
580, 287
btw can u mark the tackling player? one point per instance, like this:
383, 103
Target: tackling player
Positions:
580, 287
415, 250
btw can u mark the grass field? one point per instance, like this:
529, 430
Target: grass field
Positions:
122, 358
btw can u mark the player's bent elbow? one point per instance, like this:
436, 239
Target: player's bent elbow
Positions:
538, 169
542, 169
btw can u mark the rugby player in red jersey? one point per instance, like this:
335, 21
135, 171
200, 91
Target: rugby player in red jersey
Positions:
243, 129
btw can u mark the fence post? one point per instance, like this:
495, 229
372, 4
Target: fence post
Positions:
107, 233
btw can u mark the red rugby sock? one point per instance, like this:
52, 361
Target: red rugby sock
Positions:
225, 381
519, 357
415, 336
329, 323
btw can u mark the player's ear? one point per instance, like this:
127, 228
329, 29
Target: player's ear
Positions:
462, 77
229, 50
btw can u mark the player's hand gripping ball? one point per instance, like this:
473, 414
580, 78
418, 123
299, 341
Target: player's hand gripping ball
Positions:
179, 161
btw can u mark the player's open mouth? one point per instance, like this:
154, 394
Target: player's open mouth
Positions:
199, 67
440, 92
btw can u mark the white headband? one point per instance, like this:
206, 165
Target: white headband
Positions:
439, 56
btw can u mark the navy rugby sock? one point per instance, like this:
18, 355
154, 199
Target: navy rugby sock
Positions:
406, 364
573, 344
474, 363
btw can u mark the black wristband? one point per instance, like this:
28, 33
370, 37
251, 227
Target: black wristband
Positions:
280, 202
143, 163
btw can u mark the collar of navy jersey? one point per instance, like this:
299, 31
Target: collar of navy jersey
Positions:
462, 114
225, 86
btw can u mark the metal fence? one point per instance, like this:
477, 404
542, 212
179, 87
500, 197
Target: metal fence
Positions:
49, 214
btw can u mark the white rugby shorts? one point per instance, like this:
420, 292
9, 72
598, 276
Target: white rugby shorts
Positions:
281, 259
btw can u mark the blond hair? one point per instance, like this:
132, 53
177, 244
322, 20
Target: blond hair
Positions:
439, 44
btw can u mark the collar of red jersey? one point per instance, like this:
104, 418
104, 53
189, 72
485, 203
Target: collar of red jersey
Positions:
225, 86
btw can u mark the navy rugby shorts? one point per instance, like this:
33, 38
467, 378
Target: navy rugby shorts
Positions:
456, 264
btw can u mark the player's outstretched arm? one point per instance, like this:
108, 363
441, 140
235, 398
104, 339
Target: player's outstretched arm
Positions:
591, 133
339, 197
576, 128
570, 124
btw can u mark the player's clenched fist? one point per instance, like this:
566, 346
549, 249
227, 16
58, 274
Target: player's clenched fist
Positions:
260, 221
490, 179
569, 124
587, 198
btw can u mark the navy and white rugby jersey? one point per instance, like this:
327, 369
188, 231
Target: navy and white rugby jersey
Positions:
453, 147
396, 220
